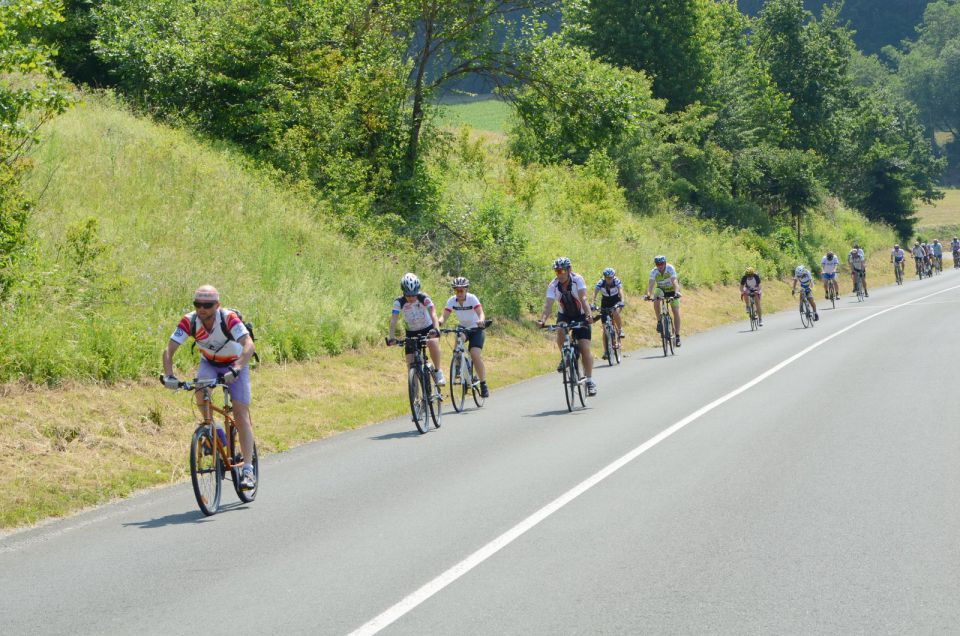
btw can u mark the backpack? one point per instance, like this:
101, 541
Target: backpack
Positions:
568, 300
222, 312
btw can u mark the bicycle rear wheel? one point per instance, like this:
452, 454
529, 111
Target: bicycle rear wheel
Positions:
206, 470
458, 382
579, 375
418, 404
617, 351
668, 332
236, 457
664, 333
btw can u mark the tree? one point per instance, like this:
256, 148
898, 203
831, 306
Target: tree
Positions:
31, 93
448, 40
663, 38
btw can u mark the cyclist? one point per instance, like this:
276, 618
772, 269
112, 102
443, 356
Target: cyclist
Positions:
225, 351
750, 284
470, 315
955, 249
937, 254
896, 257
571, 291
928, 256
420, 317
802, 276
828, 266
611, 290
858, 263
919, 254
664, 276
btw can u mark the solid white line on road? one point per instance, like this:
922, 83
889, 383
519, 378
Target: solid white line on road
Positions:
410, 602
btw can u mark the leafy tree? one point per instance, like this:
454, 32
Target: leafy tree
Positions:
31, 93
448, 40
663, 38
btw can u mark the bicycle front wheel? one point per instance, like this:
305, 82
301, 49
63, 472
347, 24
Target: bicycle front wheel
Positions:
458, 382
569, 380
434, 398
668, 334
418, 406
579, 375
206, 470
608, 343
617, 351
236, 458
478, 399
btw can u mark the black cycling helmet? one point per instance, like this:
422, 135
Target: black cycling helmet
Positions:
562, 263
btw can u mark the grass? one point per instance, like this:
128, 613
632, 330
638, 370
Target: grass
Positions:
940, 215
489, 114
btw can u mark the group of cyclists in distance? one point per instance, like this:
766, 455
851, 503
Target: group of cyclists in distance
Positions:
226, 346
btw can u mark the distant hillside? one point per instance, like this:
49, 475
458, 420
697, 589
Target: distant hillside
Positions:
877, 22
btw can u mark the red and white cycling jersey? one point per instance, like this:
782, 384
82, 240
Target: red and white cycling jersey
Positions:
215, 346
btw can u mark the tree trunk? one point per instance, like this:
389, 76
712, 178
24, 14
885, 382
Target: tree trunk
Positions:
416, 118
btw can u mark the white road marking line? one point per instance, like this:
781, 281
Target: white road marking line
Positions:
415, 599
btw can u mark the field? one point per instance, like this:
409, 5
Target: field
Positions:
940, 215
490, 115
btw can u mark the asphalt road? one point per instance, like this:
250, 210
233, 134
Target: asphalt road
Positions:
785, 481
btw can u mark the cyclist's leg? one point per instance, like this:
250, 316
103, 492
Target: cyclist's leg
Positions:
813, 303
756, 303
675, 306
476, 354
433, 346
616, 319
863, 280
656, 308
583, 343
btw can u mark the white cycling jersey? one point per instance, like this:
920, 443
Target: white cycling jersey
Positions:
466, 311
829, 266
416, 314
898, 254
856, 259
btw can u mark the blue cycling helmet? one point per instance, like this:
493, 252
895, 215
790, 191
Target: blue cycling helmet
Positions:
609, 272
657, 260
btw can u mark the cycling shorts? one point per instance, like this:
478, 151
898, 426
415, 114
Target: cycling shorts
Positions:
581, 333
832, 276
411, 347
806, 290
239, 389
668, 295
608, 302
475, 339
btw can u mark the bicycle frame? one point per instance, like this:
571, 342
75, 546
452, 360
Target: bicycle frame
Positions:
207, 409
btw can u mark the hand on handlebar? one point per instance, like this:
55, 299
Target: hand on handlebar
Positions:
170, 381
391, 341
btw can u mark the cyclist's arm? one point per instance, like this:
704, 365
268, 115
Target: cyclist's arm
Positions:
623, 295
547, 306
245, 355
446, 314
172, 346
586, 307
393, 325
676, 285
433, 316
650, 287
481, 317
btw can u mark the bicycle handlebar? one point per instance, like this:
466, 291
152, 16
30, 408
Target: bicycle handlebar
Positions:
196, 384
417, 339
462, 329
565, 325
652, 298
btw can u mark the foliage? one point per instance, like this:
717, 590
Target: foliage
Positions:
663, 38
317, 88
30, 94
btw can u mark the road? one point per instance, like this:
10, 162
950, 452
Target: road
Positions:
785, 481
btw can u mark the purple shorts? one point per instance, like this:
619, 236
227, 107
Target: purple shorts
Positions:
239, 390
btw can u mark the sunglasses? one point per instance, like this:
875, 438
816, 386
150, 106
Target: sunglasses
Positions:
200, 305
559, 269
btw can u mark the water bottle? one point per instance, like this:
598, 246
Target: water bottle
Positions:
222, 435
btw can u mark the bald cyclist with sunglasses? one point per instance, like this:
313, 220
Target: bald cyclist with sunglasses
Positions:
225, 355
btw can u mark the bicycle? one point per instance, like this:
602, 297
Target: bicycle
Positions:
806, 309
939, 264
611, 337
921, 268
898, 272
462, 375
422, 389
832, 292
956, 259
858, 285
211, 454
573, 379
752, 311
665, 323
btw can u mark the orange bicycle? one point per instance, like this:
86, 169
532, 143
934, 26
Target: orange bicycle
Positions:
213, 453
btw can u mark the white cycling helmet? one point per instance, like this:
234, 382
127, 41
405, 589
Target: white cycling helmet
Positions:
799, 271
410, 284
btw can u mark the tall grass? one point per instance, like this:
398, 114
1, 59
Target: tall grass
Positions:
132, 216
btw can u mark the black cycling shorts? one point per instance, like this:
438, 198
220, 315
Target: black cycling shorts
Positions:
475, 339
582, 333
410, 346
609, 302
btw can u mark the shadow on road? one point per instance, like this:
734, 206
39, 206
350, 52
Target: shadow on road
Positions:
549, 413
194, 516
400, 435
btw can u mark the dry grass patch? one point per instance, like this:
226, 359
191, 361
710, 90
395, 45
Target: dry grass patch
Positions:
945, 212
